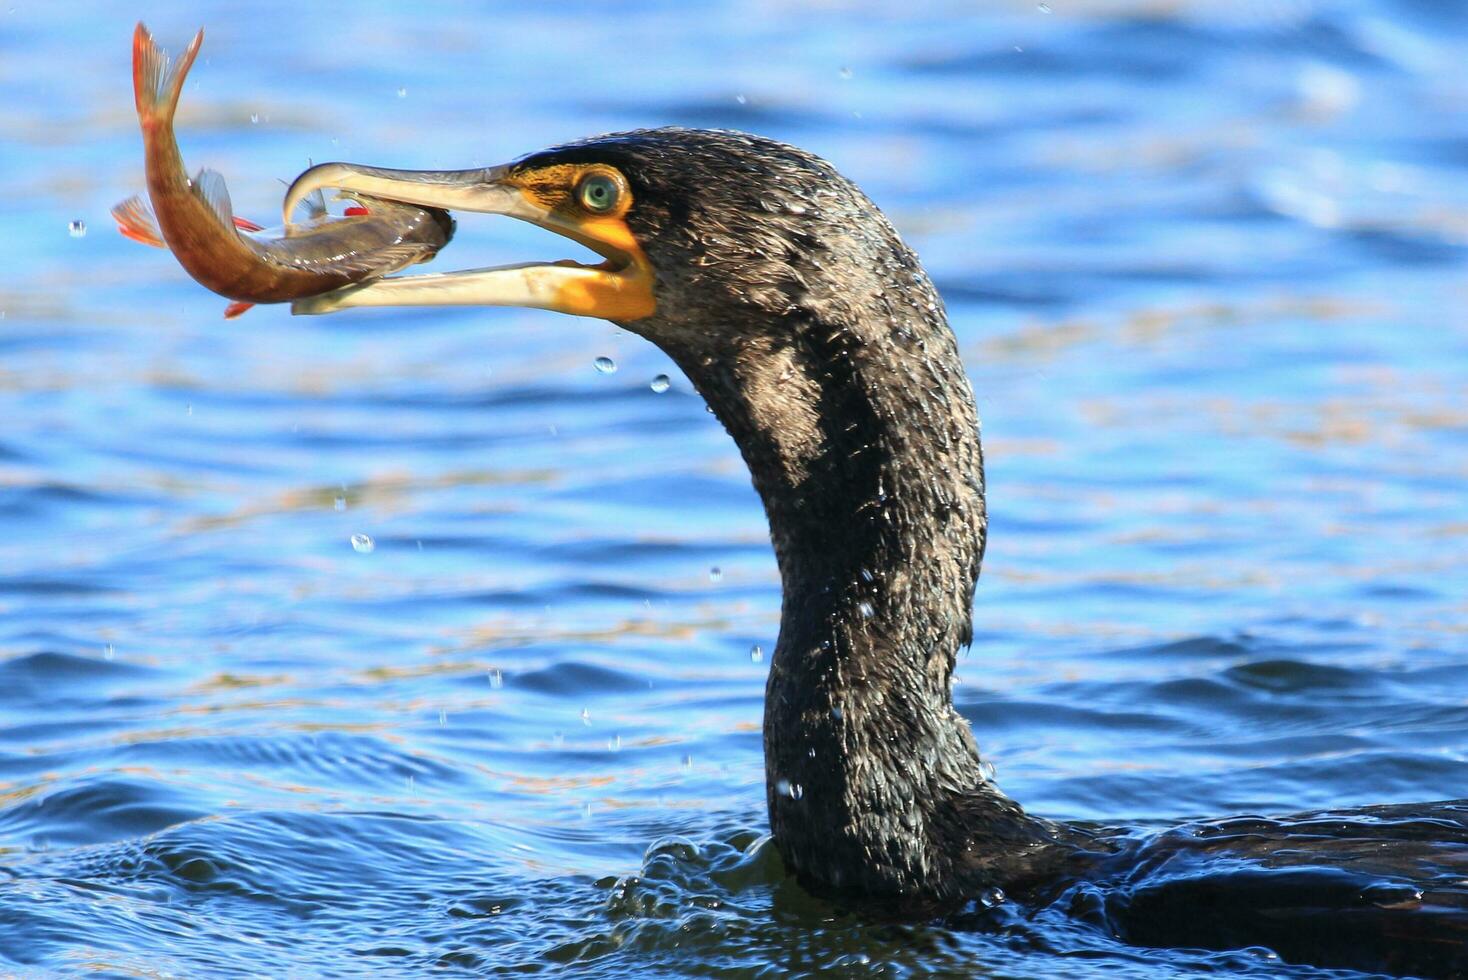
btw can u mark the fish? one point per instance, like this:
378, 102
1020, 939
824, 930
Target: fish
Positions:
235, 257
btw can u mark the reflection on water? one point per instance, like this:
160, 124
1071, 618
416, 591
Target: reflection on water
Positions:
1205, 264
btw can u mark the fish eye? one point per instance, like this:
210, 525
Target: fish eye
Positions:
598, 193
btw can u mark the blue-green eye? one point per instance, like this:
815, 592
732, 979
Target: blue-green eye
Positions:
598, 193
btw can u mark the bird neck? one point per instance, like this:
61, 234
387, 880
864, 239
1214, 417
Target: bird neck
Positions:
862, 438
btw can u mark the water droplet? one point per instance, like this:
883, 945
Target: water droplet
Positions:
109, 652
660, 384
340, 503
586, 716
845, 72
363, 544
867, 576
496, 679
740, 99
1043, 7
786, 788
716, 574
77, 227
866, 610
254, 117
402, 92
688, 762
614, 744
756, 653
605, 365
811, 752
837, 713
443, 716
991, 897
189, 411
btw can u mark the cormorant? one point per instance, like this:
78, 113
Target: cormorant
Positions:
816, 338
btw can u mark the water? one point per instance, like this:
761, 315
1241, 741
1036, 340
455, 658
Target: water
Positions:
1206, 265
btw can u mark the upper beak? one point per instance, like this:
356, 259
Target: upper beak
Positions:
620, 289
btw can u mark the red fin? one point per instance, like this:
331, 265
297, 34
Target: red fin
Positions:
135, 220
235, 309
139, 237
245, 224
355, 211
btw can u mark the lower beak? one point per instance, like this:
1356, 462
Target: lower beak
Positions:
619, 289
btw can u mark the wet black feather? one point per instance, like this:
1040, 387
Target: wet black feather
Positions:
810, 328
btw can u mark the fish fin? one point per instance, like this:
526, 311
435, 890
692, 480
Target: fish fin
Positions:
211, 189
386, 260
313, 206
157, 82
236, 309
245, 224
135, 220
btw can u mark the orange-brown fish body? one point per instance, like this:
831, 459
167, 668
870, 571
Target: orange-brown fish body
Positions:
194, 219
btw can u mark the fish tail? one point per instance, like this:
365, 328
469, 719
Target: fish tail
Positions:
135, 220
157, 82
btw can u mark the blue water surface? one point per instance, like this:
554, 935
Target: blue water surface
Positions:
1206, 263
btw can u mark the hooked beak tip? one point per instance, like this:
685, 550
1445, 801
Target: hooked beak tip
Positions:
478, 189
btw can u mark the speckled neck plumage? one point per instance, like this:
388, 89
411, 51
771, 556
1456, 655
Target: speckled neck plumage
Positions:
842, 385
863, 442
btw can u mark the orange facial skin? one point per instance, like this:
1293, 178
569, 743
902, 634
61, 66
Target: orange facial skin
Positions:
623, 292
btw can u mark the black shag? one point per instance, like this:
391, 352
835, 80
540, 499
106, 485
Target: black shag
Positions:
814, 335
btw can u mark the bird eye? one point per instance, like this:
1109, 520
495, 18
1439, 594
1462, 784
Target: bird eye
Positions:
598, 193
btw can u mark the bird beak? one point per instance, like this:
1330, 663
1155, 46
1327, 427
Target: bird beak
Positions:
619, 289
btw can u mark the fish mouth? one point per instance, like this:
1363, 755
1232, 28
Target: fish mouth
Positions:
618, 289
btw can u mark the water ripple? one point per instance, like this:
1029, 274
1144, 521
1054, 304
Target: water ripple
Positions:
1203, 262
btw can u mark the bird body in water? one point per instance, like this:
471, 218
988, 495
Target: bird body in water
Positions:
815, 336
